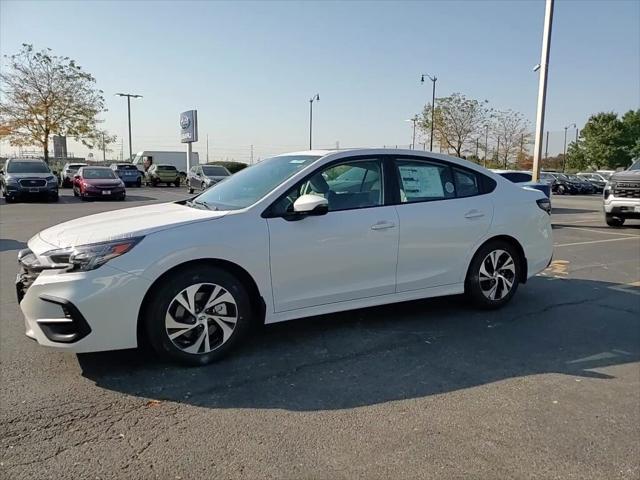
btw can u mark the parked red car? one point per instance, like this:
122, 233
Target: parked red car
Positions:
98, 182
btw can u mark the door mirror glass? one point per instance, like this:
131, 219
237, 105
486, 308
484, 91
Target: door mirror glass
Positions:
311, 205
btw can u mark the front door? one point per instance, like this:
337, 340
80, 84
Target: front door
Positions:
347, 254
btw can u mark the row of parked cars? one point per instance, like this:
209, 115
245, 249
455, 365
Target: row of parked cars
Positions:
29, 177
560, 183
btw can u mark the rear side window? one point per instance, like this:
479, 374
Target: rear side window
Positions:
517, 177
467, 183
424, 181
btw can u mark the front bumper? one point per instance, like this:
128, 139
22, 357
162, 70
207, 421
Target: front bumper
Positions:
81, 311
100, 193
18, 190
622, 207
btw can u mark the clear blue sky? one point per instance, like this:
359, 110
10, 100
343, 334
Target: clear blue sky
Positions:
250, 68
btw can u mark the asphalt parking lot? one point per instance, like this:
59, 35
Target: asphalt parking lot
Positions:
548, 387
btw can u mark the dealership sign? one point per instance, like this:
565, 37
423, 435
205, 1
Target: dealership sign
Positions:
189, 126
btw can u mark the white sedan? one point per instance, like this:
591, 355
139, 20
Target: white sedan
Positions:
296, 235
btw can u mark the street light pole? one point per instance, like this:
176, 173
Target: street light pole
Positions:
316, 97
542, 89
413, 141
564, 149
129, 97
433, 104
486, 144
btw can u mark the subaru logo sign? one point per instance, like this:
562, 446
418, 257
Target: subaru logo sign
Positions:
189, 126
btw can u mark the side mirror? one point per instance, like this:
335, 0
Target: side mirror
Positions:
54, 172
311, 205
1, 172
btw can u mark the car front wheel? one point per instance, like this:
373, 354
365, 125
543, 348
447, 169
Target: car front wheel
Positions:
613, 221
197, 315
493, 275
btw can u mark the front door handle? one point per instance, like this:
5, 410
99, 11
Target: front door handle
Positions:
473, 214
382, 225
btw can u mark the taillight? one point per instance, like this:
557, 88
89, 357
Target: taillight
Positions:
544, 204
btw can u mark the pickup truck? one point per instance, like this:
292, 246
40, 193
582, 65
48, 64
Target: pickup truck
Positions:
621, 197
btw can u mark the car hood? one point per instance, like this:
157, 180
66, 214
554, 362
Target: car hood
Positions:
118, 224
627, 176
18, 176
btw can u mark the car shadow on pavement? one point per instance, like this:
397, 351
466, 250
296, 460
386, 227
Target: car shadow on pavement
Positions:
568, 211
605, 227
409, 350
7, 244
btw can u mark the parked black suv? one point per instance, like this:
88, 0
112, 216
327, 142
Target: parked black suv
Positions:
22, 177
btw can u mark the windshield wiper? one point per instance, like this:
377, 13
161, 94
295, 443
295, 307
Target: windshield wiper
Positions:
199, 203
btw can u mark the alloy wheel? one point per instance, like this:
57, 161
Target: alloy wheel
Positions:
497, 275
201, 318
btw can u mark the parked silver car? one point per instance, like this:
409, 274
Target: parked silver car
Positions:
201, 177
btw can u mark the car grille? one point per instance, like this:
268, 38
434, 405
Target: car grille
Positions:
106, 187
627, 190
32, 182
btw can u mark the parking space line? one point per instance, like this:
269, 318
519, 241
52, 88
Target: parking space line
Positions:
597, 241
633, 288
582, 229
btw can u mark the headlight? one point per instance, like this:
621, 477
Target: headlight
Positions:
11, 181
51, 179
90, 257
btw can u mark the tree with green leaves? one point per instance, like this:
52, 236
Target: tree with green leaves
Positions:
457, 120
44, 94
606, 141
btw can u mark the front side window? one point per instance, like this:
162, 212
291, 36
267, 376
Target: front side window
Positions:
423, 181
346, 186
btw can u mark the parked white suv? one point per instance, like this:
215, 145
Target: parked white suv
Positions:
621, 197
293, 236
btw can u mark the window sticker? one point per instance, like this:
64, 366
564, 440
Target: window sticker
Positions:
449, 187
421, 181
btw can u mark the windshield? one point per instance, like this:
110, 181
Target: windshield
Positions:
166, 168
561, 176
606, 175
635, 165
73, 167
127, 167
252, 183
101, 173
27, 167
213, 171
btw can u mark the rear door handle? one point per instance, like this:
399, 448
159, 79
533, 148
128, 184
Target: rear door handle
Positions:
473, 214
382, 225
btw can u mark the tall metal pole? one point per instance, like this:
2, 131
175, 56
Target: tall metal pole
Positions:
486, 144
129, 97
433, 111
542, 89
207, 148
315, 97
104, 149
564, 149
546, 148
477, 145
129, 116
413, 141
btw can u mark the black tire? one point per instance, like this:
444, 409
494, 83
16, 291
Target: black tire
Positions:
473, 284
561, 190
139, 183
163, 297
190, 191
177, 182
75, 193
54, 198
122, 197
613, 221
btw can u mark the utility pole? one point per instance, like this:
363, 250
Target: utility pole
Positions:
486, 144
498, 151
477, 145
433, 104
316, 97
546, 148
129, 97
251, 158
542, 89
104, 149
564, 149
207, 148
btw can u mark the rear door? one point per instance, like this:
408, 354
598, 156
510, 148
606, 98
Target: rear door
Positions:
442, 214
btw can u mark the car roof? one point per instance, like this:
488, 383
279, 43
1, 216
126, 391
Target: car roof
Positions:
29, 160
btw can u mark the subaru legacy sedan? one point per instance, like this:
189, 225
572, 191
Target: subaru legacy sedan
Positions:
296, 235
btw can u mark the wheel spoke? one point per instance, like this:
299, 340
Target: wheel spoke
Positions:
196, 345
170, 322
225, 297
223, 324
492, 291
484, 273
507, 282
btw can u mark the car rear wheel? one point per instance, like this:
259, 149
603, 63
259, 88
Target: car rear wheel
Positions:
561, 190
613, 221
139, 183
198, 315
493, 275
